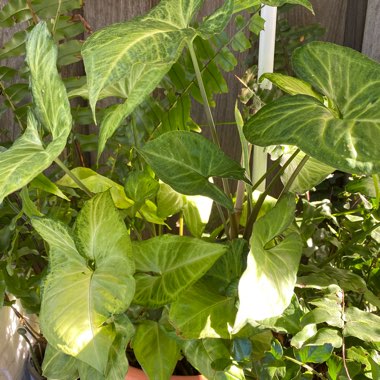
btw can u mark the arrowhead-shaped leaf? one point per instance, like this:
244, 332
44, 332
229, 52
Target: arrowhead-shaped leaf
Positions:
201, 312
90, 280
155, 350
167, 265
266, 287
28, 157
185, 161
343, 134
141, 50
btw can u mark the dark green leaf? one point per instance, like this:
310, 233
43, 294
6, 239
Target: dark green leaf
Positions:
314, 354
340, 134
202, 354
57, 365
216, 22
186, 161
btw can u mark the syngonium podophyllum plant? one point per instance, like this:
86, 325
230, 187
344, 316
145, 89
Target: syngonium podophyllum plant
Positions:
226, 301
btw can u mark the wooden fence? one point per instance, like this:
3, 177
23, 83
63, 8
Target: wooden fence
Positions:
354, 23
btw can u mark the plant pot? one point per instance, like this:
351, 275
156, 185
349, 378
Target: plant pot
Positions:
138, 374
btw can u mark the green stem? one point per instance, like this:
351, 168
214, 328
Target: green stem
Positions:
256, 209
73, 177
56, 16
294, 175
211, 123
13, 107
376, 183
206, 105
306, 366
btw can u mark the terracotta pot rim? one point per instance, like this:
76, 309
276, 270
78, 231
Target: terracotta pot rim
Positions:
138, 374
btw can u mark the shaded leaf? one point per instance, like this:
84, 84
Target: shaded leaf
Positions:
28, 157
41, 182
216, 22
340, 134
155, 350
57, 365
272, 266
314, 354
167, 265
186, 160
202, 354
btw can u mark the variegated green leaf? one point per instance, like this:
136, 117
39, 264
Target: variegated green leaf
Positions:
169, 264
15, 11
291, 85
311, 174
185, 161
342, 133
272, 266
241, 5
216, 22
28, 157
141, 50
90, 280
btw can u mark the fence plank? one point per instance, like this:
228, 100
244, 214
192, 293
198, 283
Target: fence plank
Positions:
371, 45
330, 14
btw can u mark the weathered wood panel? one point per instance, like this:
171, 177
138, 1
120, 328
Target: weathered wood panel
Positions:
331, 14
371, 41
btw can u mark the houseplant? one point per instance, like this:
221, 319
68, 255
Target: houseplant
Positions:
225, 300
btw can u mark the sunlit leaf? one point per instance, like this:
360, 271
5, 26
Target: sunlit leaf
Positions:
186, 160
272, 265
90, 280
362, 325
312, 173
167, 265
341, 134
43, 183
291, 85
201, 312
97, 183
